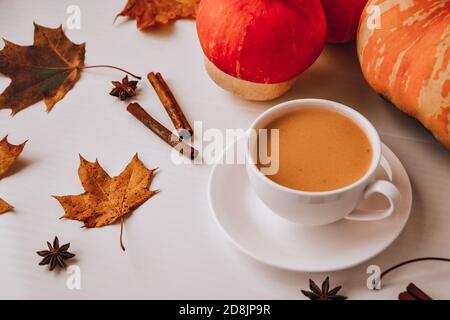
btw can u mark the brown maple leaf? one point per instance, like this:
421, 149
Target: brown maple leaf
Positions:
107, 199
8, 155
151, 13
46, 70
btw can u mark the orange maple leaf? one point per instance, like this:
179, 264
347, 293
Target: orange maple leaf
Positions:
151, 13
8, 155
107, 199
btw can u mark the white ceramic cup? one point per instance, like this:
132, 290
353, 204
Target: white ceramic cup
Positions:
318, 208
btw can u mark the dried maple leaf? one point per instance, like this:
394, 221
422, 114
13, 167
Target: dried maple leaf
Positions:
4, 206
8, 155
107, 199
47, 70
150, 13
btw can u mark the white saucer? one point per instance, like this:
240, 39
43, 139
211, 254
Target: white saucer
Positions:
270, 239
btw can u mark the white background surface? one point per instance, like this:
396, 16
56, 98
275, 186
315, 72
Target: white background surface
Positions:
174, 248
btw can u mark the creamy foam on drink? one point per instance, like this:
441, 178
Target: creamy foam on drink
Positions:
319, 150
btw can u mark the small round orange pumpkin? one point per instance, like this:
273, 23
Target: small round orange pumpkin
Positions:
256, 49
404, 51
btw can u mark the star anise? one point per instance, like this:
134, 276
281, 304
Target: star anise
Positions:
323, 293
55, 255
125, 89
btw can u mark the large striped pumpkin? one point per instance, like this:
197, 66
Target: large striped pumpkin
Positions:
405, 56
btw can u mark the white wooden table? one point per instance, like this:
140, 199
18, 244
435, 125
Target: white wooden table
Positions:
174, 248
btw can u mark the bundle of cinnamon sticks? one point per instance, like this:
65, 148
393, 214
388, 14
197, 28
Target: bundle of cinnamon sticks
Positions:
413, 293
173, 109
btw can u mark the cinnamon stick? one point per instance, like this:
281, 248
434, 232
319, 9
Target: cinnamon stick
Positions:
171, 105
417, 293
165, 134
406, 296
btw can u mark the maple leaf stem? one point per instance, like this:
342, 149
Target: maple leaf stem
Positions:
91, 67
121, 234
112, 67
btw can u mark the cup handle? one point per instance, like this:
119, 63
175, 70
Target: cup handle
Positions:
386, 188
